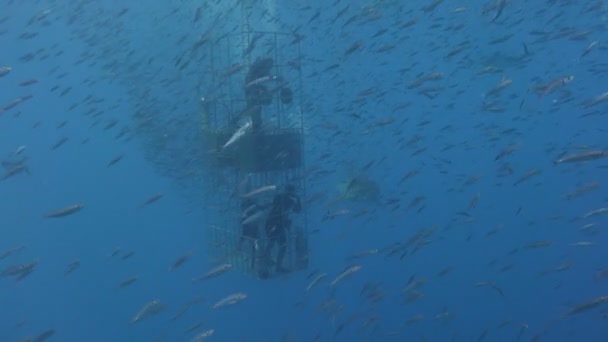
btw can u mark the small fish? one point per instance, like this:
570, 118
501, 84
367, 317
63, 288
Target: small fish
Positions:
128, 255
73, 266
587, 50
582, 190
586, 306
15, 170
43, 336
193, 327
115, 252
596, 212
69, 210
526, 176
233, 70
128, 282
491, 285
255, 217
59, 143
538, 244
115, 160
331, 215
545, 89
11, 251
152, 199
230, 300
19, 150
260, 190
582, 244
356, 45
200, 337
260, 80
180, 261
500, 6
197, 15
182, 311
150, 309
588, 226
580, 157
19, 271
238, 134
344, 274
473, 202
28, 82
214, 272
5, 70
186, 307
504, 82
594, 101
364, 253
413, 319
446, 270
315, 281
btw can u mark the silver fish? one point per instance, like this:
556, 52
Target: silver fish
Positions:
149, 309
230, 300
238, 134
214, 272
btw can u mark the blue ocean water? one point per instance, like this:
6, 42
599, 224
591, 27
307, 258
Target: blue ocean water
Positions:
449, 156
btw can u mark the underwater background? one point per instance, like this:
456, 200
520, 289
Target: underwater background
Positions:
454, 179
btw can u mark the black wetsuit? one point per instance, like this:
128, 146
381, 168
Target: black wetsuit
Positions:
278, 223
257, 95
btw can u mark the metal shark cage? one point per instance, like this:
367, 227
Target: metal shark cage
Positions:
270, 154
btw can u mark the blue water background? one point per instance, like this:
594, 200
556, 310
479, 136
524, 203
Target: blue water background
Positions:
86, 305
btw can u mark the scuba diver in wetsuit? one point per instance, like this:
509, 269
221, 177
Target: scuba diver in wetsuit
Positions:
278, 223
257, 93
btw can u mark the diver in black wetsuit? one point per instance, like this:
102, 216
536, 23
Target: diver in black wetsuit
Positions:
257, 93
278, 223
